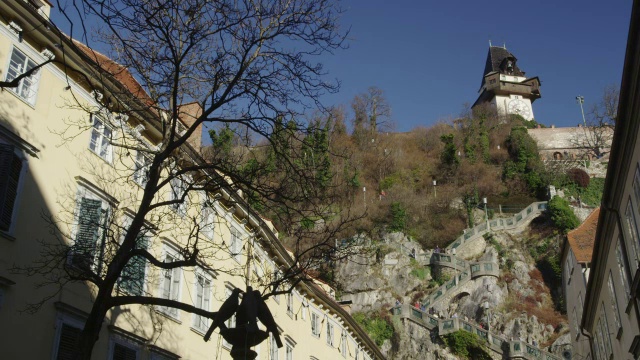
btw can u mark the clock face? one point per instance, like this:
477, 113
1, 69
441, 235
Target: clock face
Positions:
519, 107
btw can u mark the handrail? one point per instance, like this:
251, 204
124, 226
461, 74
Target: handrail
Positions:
517, 349
499, 224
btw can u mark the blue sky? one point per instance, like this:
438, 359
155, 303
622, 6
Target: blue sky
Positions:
428, 56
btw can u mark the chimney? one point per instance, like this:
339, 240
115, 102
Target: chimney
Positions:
188, 114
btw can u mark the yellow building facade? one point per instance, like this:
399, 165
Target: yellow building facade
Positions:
66, 189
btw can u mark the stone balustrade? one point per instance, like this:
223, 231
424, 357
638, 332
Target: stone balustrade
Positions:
509, 349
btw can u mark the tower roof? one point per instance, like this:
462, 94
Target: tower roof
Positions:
502, 61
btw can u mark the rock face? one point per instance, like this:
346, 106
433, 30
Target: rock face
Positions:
377, 281
374, 284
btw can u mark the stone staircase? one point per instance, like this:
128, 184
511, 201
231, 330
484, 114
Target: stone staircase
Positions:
466, 271
509, 349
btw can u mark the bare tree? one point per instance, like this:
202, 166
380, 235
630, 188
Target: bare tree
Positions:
243, 68
370, 110
594, 140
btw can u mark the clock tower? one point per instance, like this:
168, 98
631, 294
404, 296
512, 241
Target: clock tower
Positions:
505, 86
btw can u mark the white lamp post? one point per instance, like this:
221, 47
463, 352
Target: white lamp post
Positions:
580, 100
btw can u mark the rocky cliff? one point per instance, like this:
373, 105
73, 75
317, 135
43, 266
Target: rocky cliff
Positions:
491, 282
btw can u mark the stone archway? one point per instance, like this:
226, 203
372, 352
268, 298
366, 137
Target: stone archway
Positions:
557, 155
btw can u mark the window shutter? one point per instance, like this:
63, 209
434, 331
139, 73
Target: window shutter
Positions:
88, 230
121, 352
175, 287
10, 169
67, 344
133, 273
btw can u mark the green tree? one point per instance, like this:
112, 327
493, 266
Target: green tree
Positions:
449, 156
562, 215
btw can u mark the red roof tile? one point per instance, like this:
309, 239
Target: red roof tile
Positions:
582, 238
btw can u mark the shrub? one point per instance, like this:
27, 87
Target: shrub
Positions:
579, 177
466, 345
378, 327
562, 215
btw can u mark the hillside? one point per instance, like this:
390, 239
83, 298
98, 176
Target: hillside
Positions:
491, 285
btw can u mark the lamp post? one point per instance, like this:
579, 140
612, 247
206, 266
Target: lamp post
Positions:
435, 194
486, 215
580, 100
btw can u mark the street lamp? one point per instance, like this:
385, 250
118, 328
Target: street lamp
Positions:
486, 215
580, 100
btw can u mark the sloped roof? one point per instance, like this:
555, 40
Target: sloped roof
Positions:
119, 72
583, 237
495, 57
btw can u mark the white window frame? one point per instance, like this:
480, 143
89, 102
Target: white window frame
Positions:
315, 324
290, 304
106, 208
99, 127
343, 343
63, 319
330, 334
201, 323
615, 309
31, 98
177, 188
207, 216
273, 348
174, 294
141, 162
235, 243
231, 323
288, 350
622, 268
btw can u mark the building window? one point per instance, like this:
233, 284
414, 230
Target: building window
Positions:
133, 274
67, 338
178, 189
100, 142
231, 323
171, 282
11, 170
315, 324
622, 267
207, 217
236, 244
92, 224
569, 267
290, 304
122, 350
142, 164
343, 343
614, 303
288, 351
632, 231
606, 333
27, 87
273, 353
329, 334
203, 290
